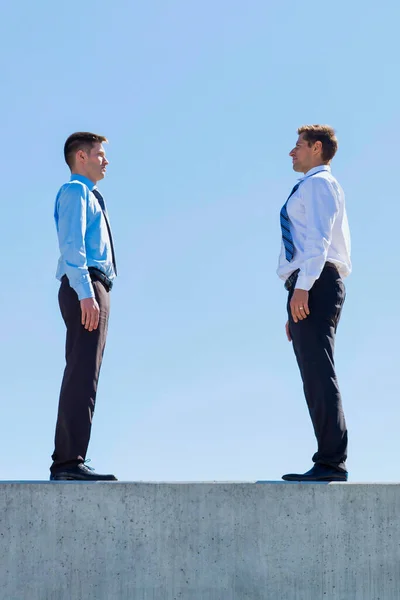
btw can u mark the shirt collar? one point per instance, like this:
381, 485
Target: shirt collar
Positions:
83, 179
316, 170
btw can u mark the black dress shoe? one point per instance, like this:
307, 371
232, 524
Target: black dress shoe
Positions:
318, 473
79, 472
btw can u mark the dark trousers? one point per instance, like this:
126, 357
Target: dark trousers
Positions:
83, 354
313, 343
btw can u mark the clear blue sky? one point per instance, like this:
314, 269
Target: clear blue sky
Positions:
200, 102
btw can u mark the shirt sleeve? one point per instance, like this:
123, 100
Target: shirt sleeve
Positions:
72, 206
321, 204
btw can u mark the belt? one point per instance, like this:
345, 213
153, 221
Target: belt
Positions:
97, 275
291, 280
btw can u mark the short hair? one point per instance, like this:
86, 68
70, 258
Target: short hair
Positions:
81, 140
321, 133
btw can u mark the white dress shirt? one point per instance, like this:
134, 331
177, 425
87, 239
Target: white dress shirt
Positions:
319, 228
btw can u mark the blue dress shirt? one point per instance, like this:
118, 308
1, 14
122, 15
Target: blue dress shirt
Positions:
82, 235
319, 228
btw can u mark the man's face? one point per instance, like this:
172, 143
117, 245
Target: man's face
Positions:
96, 162
303, 155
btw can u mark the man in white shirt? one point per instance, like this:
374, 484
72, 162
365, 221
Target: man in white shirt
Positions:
314, 260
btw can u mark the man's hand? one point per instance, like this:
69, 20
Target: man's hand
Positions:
90, 313
299, 305
289, 337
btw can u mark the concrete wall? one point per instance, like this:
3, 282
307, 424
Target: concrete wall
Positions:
141, 541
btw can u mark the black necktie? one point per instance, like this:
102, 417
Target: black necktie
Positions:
103, 208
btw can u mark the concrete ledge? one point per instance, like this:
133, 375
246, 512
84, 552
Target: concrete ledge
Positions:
199, 541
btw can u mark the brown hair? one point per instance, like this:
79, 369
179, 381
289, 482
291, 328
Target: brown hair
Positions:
321, 133
82, 140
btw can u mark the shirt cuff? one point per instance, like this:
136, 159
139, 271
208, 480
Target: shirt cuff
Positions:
84, 290
305, 283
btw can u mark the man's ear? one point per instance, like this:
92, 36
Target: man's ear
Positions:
317, 147
80, 156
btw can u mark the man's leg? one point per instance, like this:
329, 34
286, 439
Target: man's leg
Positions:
84, 353
313, 343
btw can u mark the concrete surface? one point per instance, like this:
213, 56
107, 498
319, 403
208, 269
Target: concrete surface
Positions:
224, 541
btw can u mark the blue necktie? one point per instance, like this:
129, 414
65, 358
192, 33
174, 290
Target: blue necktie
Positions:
103, 208
285, 226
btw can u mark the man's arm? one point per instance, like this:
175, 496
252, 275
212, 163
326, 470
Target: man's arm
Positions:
71, 206
321, 205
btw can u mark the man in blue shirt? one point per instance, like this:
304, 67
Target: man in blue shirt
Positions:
314, 260
86, 269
